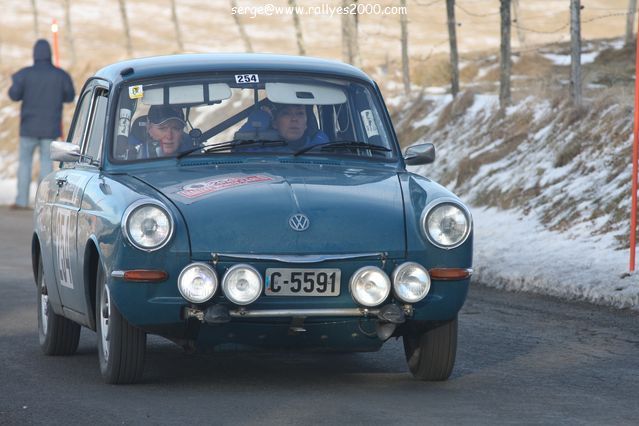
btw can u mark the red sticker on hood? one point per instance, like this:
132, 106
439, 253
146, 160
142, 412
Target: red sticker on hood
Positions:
198, 189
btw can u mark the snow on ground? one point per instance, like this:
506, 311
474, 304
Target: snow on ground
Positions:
8, 181
8, 192
565, 60
517, 253
514, 250
559, 177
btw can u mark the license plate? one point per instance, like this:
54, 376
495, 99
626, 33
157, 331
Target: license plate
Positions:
302, 282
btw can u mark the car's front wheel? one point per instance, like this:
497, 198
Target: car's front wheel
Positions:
57, 335
431, 354
121, 346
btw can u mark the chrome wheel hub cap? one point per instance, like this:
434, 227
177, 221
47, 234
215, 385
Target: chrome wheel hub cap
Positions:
105, 313
44, 309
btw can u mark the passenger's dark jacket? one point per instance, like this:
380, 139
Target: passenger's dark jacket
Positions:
42, 88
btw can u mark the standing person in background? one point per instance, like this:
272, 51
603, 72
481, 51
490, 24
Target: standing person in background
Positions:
43, 89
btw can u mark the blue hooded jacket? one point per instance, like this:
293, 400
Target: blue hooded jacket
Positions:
259, 123
43, 89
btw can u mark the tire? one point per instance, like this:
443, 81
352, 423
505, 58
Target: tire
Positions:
57, 335
121, 346
431, 355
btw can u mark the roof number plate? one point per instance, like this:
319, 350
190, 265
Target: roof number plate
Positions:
246, 78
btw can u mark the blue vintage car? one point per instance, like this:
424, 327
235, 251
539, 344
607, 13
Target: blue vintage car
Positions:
230, 201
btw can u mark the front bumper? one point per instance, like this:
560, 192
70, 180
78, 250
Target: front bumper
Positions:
157, 307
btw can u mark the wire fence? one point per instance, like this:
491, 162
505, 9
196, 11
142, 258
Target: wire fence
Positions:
99, 31
542, 32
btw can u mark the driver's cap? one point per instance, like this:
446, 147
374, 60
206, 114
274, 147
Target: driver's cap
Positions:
160, 114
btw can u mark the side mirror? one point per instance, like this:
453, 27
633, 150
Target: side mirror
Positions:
64, 151
419, 154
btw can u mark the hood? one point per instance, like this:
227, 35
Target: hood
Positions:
248, 210
42, 51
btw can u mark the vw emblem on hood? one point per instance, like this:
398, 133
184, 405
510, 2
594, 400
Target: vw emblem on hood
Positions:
299, 222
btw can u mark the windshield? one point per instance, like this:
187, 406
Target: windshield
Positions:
249, 114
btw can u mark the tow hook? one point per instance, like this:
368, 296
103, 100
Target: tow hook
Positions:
217, 314
389, 317
392, 314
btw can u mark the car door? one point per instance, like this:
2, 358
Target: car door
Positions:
86, 131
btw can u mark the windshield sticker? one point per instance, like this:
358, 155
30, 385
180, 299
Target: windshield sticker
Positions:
198, 189
247, 78
369, 123
136, 92
124, 121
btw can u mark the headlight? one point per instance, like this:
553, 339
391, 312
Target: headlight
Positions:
446, 224
242, 284
197, 282
147, 225
370, 286
411, 282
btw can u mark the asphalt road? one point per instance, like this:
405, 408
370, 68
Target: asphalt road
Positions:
522, 359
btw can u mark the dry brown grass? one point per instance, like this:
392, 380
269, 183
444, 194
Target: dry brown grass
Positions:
455, 109
432, 72
513, 199
469, 166
515, 128
532, 65
612, 68
469, 72
406, 131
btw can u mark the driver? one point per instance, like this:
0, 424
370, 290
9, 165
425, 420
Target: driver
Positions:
164, 132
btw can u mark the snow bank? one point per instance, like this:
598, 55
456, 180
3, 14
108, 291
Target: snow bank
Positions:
548, 185
8, 192
516, 252
561, 179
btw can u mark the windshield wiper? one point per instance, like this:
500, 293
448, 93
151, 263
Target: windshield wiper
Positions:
344, 144
233, 144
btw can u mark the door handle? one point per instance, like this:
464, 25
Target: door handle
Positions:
61, 181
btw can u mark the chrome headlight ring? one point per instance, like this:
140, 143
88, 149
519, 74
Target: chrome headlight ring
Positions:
370, 286
411, 282
198, 282
136, 206
440, 203
242, 284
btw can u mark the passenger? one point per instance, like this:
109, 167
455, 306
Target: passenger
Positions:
164, 132
291, 121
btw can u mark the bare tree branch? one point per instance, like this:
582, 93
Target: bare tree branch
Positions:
350, 43
68, 34
575, 62
505, 61
403, 20
176, 24
454, 56
34, 7
240, 27
127, 31
630, 22
521, 35
298, 28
